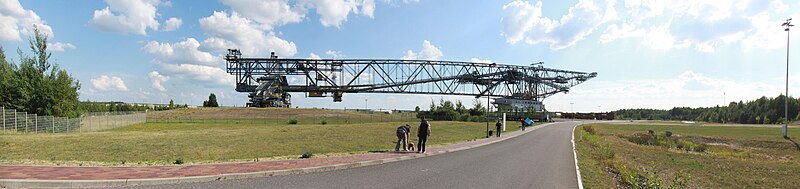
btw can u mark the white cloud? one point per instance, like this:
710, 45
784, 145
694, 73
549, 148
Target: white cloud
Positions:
478, 60
334, 12
269, 12
198, 73
244, 34
60, 47
106, 83
703, 25
157, 79
428, 52
182, 52
185, 60
333, 54
524, 22
16, 21
314, 56
172, 24
127, 16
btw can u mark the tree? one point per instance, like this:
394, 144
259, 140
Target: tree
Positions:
37, 85
211, 102
171, 103
416, 109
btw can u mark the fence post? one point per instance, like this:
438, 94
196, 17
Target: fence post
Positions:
53, 122
36, 124
15, 121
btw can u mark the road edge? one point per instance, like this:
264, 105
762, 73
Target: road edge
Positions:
21, 183
575, 155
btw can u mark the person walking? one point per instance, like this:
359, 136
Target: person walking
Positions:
498, 126
423, 133
403, 133
523, 123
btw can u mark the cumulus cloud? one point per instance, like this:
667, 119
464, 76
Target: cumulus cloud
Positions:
701, 25
109, 83
60, 47
428, 52
523, 21
156, 80
334, 12
333, 54
270, 13
185, 60
16, 21
126, 16
182, 52
243, 33
172, 24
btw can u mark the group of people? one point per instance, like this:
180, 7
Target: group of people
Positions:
424, 131
404, 134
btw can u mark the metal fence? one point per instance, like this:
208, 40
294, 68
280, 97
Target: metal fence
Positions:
98, 121
12, 121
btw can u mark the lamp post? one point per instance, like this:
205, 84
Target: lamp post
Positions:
571, 107
785, 129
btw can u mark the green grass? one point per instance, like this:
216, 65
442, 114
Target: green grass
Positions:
737, 157
163, 143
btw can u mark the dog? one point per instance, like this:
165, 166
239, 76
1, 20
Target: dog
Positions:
411, 145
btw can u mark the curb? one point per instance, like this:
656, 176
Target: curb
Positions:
20, 183
575, 156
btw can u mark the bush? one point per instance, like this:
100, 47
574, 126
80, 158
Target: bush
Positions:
307, 154
324, 122
589, 129
178, 161
292, 121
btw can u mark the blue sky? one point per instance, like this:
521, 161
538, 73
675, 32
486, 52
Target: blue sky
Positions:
648, 54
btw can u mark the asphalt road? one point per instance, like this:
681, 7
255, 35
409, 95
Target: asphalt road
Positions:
539, 159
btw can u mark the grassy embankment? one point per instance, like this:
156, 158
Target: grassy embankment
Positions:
627, 156
224, 135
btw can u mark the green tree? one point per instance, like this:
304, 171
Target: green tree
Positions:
171, 103
416, 109
37, 85
211, 102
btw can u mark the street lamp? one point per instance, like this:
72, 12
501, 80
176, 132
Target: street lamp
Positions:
571, 107
785, 129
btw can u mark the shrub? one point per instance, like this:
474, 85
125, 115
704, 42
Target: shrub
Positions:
178, 161
292, 121
589, 129
307, 154
324, 122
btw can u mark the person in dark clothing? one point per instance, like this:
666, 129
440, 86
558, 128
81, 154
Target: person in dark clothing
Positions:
523, 123
498, 126
423, 133
403, 133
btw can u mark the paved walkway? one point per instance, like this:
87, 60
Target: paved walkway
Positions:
63, 173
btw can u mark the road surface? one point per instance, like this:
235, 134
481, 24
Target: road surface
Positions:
539, 159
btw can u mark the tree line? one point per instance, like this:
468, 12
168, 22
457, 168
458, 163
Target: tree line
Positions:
764, 110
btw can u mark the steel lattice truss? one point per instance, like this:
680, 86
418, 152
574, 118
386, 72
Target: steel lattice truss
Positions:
337, 76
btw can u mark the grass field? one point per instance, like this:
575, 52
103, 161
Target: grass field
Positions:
221, 141
733, 157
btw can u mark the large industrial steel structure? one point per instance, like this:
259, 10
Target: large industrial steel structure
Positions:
270, 80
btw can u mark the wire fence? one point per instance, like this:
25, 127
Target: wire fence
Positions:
23, 122
271, 119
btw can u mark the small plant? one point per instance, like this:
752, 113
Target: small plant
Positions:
307, 154
178, 161
293, 121
324, 122
123, 162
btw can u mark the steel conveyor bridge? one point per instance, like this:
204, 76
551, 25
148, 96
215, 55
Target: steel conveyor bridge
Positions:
270, 80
